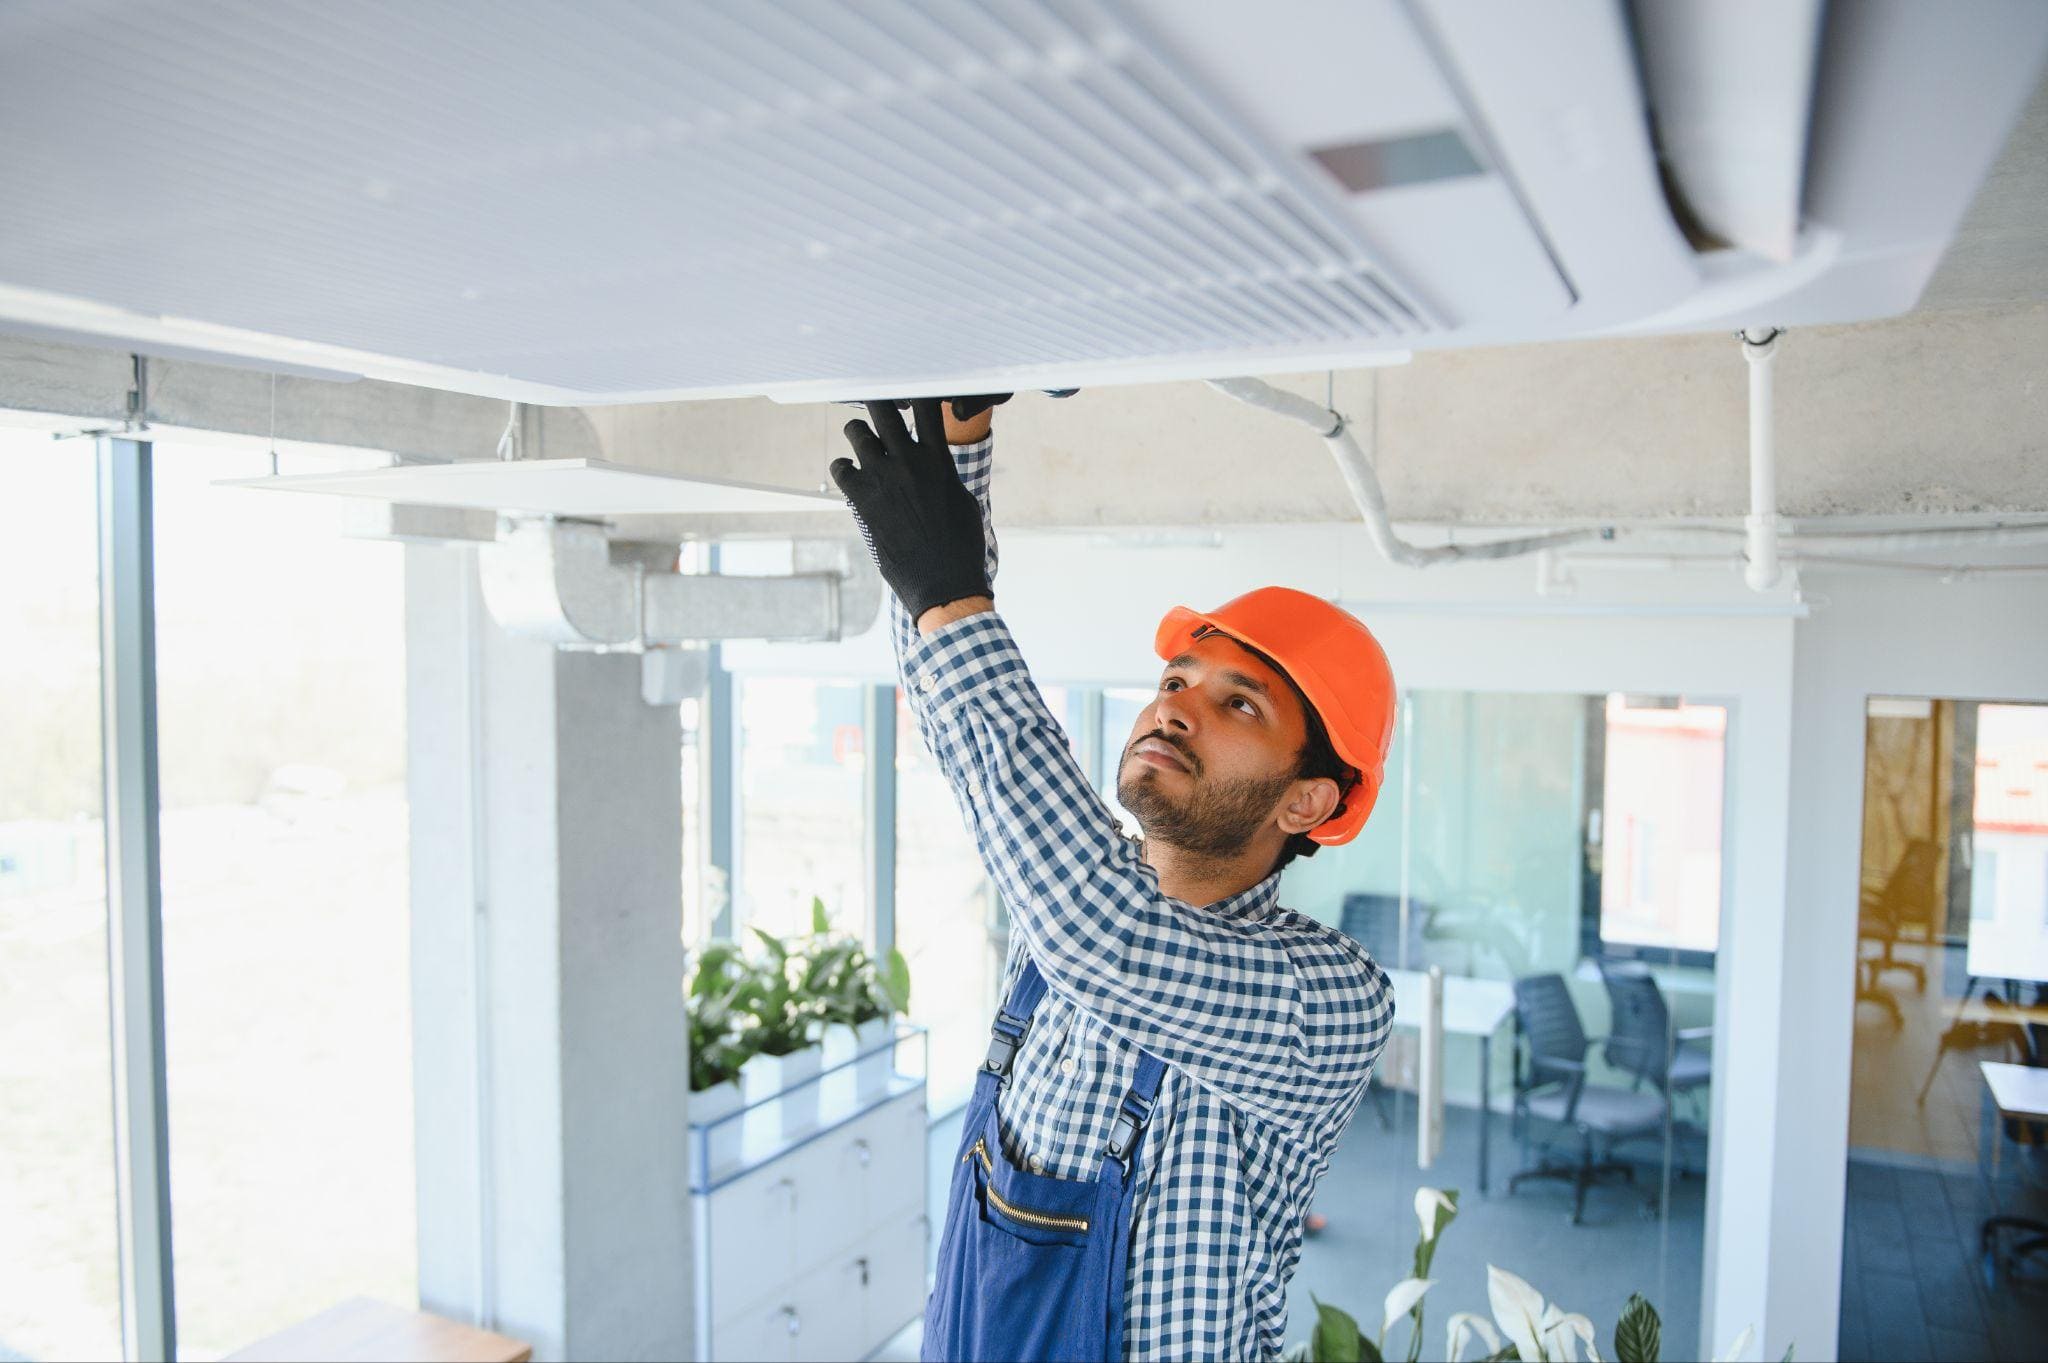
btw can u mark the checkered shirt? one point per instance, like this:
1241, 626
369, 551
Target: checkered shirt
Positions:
1269, 1021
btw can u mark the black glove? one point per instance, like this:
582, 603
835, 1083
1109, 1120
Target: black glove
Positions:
921, 523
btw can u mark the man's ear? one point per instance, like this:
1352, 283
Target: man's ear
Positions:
1310, 803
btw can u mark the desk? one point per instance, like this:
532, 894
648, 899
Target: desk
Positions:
361, 1328
2018, 1091
1474, 1008
1974, 1020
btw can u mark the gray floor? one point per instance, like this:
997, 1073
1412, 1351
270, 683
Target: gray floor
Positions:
1913, 1285
1369, 1195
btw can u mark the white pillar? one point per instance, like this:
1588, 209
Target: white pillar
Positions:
550, 1051
1756, 995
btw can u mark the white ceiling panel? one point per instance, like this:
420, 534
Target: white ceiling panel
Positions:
621, 201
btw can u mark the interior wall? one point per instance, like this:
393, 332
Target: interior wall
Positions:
1983, 639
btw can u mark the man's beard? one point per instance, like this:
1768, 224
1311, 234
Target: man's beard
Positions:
1217, 819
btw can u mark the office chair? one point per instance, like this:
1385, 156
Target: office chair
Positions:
1642, 1043
1374, 921
1908, 894
1553, 1042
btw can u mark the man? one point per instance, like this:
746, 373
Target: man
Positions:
1178, 1054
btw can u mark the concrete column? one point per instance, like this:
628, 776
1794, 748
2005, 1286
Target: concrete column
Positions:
550, 1051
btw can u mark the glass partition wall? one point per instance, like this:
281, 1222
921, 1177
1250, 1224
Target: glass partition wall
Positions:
1947, 1179
1558, 857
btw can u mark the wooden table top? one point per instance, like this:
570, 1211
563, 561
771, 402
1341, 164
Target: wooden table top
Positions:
363, 1329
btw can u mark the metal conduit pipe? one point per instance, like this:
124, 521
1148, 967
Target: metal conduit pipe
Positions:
562, 582
1355, 466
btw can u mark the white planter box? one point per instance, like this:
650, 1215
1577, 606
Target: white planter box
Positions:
781, 1077
722, 1141
872, 1071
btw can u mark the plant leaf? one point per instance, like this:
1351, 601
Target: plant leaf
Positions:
896, 981
1517, 1309
1337, 1338
1639, 1334
1401, 1300
1435, 1211
821, 923
1739, 1347
1466, 1325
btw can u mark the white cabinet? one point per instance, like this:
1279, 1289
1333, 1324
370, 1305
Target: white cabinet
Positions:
817, 1251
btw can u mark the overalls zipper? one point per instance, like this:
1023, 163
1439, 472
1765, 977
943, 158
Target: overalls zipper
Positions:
1079, 1223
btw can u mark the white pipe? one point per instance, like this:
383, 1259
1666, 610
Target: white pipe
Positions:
1761, 572
1355, 466
1877, 541
1828, 562
1769, 545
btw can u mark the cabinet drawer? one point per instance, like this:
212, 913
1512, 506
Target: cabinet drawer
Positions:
864, 1168
754, 1221
768, 1331
899, 1245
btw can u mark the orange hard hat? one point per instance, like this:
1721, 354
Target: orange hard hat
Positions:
1330, 654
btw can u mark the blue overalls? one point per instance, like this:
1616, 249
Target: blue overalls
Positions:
1031, 1266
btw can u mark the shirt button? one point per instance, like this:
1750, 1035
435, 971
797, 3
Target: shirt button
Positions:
929, 683
1067, 1065
1037, 1164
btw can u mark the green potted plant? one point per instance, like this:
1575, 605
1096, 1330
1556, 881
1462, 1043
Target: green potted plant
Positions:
718, 1054
780, 1032
857, 999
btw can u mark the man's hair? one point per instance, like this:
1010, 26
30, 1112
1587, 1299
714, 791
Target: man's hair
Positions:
1317, 758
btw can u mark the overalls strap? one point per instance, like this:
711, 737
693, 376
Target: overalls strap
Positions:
1135, 1109
1012, 1018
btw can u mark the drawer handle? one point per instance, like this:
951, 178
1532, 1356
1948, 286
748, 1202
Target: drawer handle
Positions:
865, 1151
790, 1321
863, 1262
780, 1185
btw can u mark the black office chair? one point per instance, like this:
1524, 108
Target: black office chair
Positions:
1374, 921
1552, 1043
1642, 1043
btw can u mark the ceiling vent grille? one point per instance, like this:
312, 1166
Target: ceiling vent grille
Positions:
620, 201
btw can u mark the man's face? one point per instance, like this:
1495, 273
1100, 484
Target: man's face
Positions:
1212, 760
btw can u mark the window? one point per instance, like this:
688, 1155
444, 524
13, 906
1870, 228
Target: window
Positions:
698, 897
2009, 844
802, 768
1654, 826
58, 1254
946, 921
281, 719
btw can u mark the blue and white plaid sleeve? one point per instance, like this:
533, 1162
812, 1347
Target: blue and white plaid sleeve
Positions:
1277, 1022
